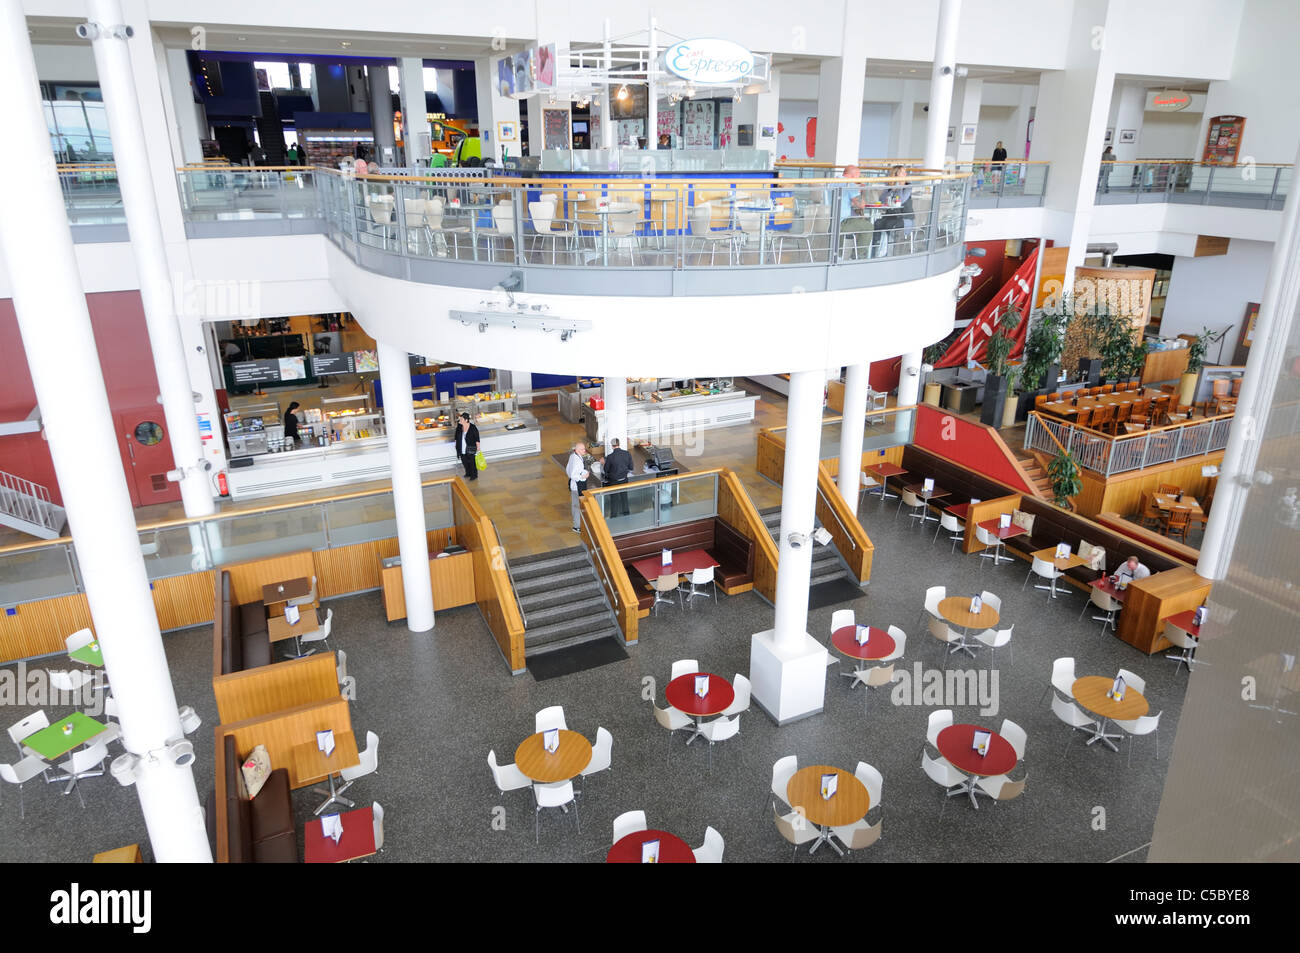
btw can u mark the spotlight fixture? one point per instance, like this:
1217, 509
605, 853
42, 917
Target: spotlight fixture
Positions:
125, 769
622, 92
190, 720
345, 44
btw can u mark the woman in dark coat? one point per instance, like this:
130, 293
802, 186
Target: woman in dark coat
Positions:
467, 446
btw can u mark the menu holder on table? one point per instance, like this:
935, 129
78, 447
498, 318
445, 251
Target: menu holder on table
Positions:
650, 852
974, 500
292, 614
666, 557
325, 741
1062, 550
551, 740
976, 605
1198, 617
862, 634
331, 826
830, 783
980, 742
927, 485
1004, 521
1118, 688
701, 685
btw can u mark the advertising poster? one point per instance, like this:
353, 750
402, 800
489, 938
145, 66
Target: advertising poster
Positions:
555, 124
546, 66
292, 368
366, 361
697, 125
525, 68
506, 76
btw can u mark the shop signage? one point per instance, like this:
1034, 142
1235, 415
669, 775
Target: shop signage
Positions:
334, 364
710, 61
1167, 102
255, 372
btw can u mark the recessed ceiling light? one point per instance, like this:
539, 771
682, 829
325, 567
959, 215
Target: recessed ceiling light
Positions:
345, 43
442, 47
241, 38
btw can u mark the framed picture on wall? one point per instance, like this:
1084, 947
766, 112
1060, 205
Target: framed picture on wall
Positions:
1128, 136
952, 133
968, 134
1247, 333
507, 132
1110, 135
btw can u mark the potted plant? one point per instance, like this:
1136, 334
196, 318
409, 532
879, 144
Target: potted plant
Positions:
1063, 472
929, 356
1138, 358
1041, 369
1195, 361
1012, 403
998, 350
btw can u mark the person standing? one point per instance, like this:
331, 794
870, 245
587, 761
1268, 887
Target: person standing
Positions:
467, 446
1103, 174
577, 472
291, 424
618, 465
999, 153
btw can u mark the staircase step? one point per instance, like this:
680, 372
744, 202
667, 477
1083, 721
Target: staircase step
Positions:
538, 618
559, 579
574, 625
545, 597
558, 566
567, 643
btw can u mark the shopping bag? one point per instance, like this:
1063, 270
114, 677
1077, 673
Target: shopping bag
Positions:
480, 461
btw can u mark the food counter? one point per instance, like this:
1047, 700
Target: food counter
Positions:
673, 407
504, 431
571, 401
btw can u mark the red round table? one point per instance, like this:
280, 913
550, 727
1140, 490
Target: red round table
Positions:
954, 743
672, 849
879, 643
681, 695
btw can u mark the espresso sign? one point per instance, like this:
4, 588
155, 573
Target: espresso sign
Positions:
710, 62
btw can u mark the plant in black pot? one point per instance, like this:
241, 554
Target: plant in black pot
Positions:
1063, 472
998, 350
1195, 361
1137, 358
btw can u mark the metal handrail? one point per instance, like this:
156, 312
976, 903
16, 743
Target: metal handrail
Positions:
831, 506
26, 500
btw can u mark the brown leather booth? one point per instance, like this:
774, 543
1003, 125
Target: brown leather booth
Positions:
240, 632
244, 831
733, 551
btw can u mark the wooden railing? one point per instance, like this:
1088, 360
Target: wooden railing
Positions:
850, 539
737, 510
492, 590
613, 575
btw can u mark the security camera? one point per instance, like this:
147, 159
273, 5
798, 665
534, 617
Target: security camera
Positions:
88, 31
796, 540
822, 536
925, 108
125, 769
180, 752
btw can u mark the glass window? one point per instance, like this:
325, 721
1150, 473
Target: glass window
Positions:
305, 75
277, 73
394, 79
430, 79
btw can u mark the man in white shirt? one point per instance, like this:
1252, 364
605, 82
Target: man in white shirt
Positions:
1131, 569
576, 471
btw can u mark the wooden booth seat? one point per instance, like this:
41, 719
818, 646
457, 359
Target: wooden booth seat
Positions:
733, 551
239, 630
256, 831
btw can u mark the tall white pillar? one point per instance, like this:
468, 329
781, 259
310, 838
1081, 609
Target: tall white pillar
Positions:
616, 411
60, 347
606, 121
493, 110
942, 73
134, 176
900, 123
381, 113
967, 104
851, 429
840, 84
787, 666
408, 498
415, 112
1273, 334
1129, 109
652, 89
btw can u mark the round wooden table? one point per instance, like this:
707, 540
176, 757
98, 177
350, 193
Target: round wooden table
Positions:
672, 849
1092, 692
956, 609
681, 695
848, 804
573, 754
956, 744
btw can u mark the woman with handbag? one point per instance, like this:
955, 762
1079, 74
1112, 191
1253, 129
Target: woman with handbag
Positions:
467, 446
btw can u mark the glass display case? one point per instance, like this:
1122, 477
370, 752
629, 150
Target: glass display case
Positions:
351, 418
430, 413
254, 429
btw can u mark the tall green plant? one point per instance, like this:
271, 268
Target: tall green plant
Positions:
1137, 357
1063, 472
1112, 336
1000, 344
1043, 345
1196, 351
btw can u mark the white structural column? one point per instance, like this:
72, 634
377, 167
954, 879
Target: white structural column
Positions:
408, 497
900, 123
381, 114
966, 101
840, 84
787, 666
60, 347
415, 112
616, 411
1127, 112
131, 156
851, 428
1277, 314
606, 120
942, 73
494, 109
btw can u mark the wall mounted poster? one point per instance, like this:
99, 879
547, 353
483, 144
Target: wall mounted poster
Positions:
1223, 140
555, 123
724, 126
1247, 336
666, 119
506, 76
697, 125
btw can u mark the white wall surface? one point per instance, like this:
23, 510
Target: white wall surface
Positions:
1212, 291
793, 115
1168, 135
73, 63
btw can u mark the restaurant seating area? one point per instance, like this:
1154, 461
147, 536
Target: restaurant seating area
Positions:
731, 553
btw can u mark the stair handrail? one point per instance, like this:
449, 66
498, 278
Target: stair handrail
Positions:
505, 558
33, 498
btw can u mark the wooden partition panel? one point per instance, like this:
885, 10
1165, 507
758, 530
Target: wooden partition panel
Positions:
842, 523
737, 509
986, 510
39, 628
182, 601
356, 568
1122, 493
1148, 537
282, 731
614, 579
769, 457
272, 688
1151, 600
492, 591
247, 578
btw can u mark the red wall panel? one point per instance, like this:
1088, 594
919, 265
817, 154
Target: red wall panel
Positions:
970, 444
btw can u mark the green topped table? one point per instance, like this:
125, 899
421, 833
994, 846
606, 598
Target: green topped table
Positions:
51, 743
89, 654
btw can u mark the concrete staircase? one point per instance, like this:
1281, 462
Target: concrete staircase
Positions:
26, 507
826, 562
562, 601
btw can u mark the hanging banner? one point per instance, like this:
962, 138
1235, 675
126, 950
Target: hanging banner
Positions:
972, 345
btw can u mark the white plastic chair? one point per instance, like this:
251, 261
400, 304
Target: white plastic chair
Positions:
915, 505
1135, 682
311, 596
872, 780
347, 683
710, 852
70, 681
995, 639
22, 772
321, 634
79, 639
743, 692
1072, 715
1062, 677
685, 666
377, 812
87, 762
900, 644
1144, 725
937, 722
602, 753
721, 728
553, 795
671, 720
859, 835
368, 764
956, 532
869, 483
944, 633
29, 725
991, 599
549, 718
986, 538
701, 583
702, 231
782, 771
933, 596
841, 618
507, 777
1185, 641
1043, 569
794, 827
943, 774
629, 822
1107, 604
664, 586
1002, 788
804, 229
1015, 736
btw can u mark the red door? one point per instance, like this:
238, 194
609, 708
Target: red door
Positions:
147, 455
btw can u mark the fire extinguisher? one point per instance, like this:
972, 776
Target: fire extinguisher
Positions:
222, 486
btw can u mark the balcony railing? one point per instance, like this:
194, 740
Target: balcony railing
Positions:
1102, 453
1184, 182
1019, 184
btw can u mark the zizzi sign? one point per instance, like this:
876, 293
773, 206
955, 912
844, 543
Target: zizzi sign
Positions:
1170, 102
709, 61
